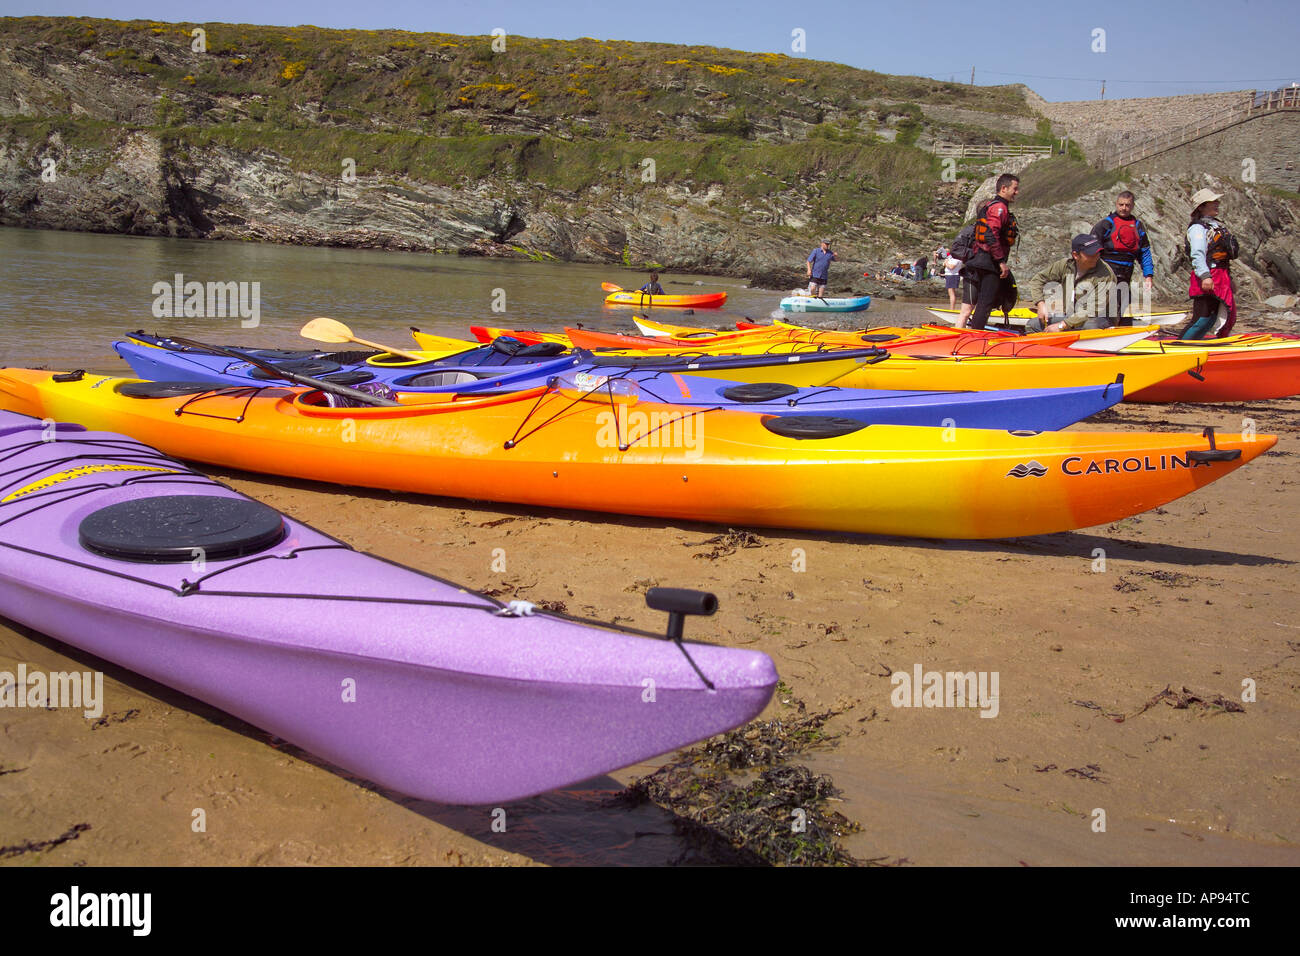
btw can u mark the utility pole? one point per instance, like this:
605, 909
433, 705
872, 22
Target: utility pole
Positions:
1103, 89
972, 76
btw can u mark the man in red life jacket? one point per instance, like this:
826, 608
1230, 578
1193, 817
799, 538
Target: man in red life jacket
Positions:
995, 234
1124, 241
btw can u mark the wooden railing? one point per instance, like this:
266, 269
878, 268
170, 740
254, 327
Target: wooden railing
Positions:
989, 151
1255, 104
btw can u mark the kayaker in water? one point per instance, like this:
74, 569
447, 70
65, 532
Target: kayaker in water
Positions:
1210, 247
1124, 241
819, 268
995, 234
653, 287
1082, 287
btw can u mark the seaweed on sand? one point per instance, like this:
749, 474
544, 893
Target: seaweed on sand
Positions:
737, 799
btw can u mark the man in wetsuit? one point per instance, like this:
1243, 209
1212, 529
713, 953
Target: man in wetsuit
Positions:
995, 233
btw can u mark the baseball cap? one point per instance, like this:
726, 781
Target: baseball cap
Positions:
1087, 244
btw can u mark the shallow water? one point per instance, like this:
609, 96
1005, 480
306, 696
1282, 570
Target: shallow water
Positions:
65, 296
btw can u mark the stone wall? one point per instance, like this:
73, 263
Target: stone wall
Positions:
1101, 126
997, 121
1269, 140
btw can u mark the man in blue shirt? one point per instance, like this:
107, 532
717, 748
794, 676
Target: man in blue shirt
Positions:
819, 267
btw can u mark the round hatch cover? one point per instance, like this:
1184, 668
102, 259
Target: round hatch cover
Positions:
759, 392
812, 426
161, 389
173, 528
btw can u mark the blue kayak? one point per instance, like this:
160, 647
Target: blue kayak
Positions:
653, 379
820, 303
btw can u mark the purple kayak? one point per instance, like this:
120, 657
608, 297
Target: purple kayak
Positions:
391, 674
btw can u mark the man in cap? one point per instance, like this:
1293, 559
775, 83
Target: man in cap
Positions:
1075, 293
819, 268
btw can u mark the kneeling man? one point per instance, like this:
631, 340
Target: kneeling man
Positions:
1075, 293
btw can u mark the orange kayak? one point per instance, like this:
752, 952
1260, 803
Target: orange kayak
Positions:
1229, 375
600, 452
707, 300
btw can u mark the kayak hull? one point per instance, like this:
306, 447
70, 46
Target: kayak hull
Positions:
452, 702
1020, 316
1231, 375
643, 300
544, 448
804, 303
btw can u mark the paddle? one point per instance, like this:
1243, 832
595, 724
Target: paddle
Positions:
610, 287
364, 397
334, 332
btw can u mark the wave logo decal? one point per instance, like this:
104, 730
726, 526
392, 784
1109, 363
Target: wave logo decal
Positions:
1030, 469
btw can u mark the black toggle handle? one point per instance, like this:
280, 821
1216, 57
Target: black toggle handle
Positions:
1215, 453
679, 602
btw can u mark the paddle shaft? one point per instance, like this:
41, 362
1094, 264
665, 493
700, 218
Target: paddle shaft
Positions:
364, 397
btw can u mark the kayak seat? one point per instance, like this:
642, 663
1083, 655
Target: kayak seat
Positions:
177, 528
438, 379
812, 426
160, 389
758, 392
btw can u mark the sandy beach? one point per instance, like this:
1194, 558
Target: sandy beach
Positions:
1120, 690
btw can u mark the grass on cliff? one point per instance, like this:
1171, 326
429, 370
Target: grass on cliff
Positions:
846, 181
1046, 182
438, 83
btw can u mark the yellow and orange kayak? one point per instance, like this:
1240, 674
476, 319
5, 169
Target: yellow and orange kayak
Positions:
555, 448
707, 300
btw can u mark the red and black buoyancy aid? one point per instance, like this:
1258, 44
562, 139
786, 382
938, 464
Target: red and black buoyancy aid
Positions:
1124, 236
1220, 245
1010, 231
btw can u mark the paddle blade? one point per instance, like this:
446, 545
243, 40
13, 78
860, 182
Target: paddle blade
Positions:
326, 330
610, 287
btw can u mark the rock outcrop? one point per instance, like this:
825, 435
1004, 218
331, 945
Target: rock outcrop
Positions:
1266, 226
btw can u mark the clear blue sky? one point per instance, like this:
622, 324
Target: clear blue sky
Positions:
1156, 48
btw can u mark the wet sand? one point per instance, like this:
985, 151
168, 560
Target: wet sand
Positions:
1197, 595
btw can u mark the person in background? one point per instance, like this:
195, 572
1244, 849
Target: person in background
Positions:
1124, 240
951, 281
653, 287
1210, 247
995, 234
819, 268
1085, 286
918, 269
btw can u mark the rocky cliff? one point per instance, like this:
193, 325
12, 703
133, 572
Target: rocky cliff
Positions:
689, 158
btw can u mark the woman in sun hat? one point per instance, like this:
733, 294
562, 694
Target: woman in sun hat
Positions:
1210, 247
